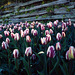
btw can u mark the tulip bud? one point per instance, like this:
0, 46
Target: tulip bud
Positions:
43, 41
58, 36
63, 34
69, 22
6, 33
16, 36
19, 28
16, 53
12, 35
55, 23
48, 38
32, 31
67, 55
8, 40
74, 24
22, 33
49, 25
70, 54
28, 39
42, 27
26, 32
33, 57
35, 33
51, 31
1, 36
59, 26
28, 51
51, 52
58, 46
46, 32
5, 45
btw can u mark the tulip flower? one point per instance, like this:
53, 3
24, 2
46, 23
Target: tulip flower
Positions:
58, 36
16, 53
19, 28
32, 31
35, 33
43, 41
5, 45
28, 39
55, 23
48, 38
49, 25
12, 35
28, 51
63, 34
33, 57
42, 27
58, 46
59, 26
46, 32
6, 33
51, 52
16, 36
8, 40
70, 54
1, 36
26, 32
51, 31
22, 33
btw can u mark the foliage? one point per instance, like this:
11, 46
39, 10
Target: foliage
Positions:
42, 65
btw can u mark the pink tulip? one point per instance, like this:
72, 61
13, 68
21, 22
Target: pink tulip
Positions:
16, 53
28, 39
51, 52
42, 27
48, 38
32, 31
43, 41
5, 45
35, 33
49, 25
46, 32
1, 36
26, 32
22, 33
12, 35
28, 51
63, 34
16, 36
51, 31
6, 33
55, 23
58, 36
8, 40
58, 46
59, 26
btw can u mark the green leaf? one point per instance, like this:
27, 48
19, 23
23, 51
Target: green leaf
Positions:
40, 73
54, 66
62, 69
26, 65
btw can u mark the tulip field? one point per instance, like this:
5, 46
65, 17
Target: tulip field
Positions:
37, 49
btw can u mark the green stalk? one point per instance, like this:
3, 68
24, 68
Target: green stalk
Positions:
16, 64
45, 66
29, 65
8, 59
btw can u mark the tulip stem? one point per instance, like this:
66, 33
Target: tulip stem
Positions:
8, 59
29, 65
16, 64
45, 62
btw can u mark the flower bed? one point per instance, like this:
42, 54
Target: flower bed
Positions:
37, 49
